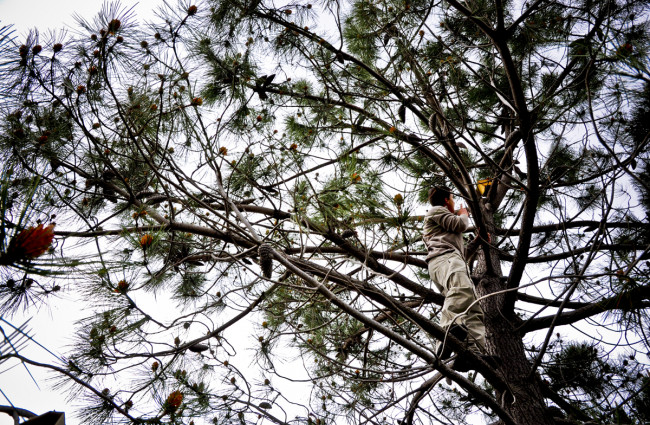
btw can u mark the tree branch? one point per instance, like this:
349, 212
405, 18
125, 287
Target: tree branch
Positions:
625, 301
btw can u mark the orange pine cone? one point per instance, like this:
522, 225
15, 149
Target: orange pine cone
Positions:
122, 286
173, 401
31, 243
146, 241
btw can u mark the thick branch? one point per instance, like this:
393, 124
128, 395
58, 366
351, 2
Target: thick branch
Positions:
630, 300
551, 303
589, 224
574, 252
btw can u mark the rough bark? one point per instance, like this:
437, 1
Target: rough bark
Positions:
523, 398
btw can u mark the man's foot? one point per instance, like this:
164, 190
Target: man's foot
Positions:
463, 363
444, 350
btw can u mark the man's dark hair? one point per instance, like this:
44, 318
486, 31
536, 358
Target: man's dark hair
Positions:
438, 195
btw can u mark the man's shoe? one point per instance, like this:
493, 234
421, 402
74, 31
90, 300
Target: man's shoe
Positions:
444, 350
463, 363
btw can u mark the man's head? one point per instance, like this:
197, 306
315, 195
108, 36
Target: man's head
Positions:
441, 196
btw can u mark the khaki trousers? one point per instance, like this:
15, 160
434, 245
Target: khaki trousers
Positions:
450, 275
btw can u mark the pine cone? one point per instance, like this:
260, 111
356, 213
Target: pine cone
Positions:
266, 260
348, 233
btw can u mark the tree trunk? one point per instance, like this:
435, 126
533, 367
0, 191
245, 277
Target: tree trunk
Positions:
523, 399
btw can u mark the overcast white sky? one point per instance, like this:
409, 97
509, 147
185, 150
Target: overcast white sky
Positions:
47, 324
55, 14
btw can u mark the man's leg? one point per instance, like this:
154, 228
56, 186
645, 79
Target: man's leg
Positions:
459, 294
438, 272
460, 307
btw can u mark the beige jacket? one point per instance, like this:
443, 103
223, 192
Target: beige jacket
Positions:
443, 232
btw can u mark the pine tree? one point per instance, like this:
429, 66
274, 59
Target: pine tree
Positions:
265, 167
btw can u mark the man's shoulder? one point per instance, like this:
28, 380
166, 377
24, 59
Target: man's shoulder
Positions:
432, 218
437, 210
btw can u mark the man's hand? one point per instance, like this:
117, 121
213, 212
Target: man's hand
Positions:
463, 211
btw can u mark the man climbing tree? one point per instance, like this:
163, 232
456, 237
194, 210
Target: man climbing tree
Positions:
461, 314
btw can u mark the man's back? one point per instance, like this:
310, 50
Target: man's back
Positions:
443, 232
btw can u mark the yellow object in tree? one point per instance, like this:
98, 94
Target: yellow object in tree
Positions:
482, 184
